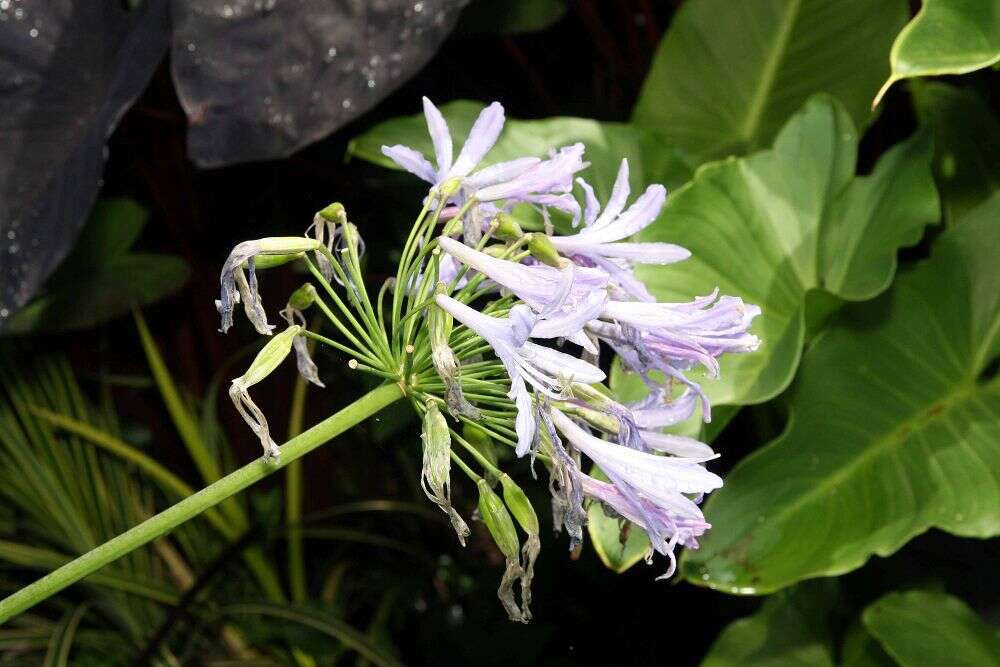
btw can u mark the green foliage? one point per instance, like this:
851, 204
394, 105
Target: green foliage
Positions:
102, 278
510, 17
799, 220
966, 144
927, 629
893, 430
792, 628
728, 75
946, 37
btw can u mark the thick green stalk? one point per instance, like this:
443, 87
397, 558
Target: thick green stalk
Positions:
167, 520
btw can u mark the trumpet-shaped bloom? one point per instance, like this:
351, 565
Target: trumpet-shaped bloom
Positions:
526, 179
603, 234
695, 332
547, 371
648, 489
546, 289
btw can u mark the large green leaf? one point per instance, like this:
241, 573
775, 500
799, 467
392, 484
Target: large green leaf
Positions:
792, 628
773, 226
946, 37
928, 629
728, 74
894, 428
966, 144
607, 144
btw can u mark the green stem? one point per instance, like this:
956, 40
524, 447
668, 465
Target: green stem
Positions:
167, 520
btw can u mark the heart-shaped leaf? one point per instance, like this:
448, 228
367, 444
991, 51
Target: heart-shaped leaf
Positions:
946, 37
792, 628
927, 629
773, 226
728, 75
894, 428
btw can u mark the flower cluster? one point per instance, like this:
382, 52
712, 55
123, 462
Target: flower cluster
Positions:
503, 329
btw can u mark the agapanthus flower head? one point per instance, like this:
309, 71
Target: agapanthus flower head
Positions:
504, 327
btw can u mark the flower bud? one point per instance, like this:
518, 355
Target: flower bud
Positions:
335, 212
269, 358
303, 298
541, 248
507, 227
497, 519
435, 476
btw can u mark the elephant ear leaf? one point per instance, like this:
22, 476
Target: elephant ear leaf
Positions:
945, 37
925, 628
798, 220
894, 428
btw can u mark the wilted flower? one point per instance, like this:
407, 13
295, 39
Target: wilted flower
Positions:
269, 358
235, 282
435, 476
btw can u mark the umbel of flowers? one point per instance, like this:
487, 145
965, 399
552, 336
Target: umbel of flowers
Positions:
497, 333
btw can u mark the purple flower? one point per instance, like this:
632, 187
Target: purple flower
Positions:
526, 179
481, 139
665, 527
655, 412
544, 288
695, 332
649, 490
547, 371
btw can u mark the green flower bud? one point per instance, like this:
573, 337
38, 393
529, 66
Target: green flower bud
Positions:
302, 298
481, 441
435, 476
507, 227
335, 212
519, 505
269, 358
541, 248
497, 519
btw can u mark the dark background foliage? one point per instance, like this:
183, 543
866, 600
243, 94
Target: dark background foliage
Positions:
590, 63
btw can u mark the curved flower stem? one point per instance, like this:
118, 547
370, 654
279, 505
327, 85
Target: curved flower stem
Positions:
167, 520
